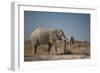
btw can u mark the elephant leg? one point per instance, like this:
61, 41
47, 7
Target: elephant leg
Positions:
49, 47
55, 47
35, 50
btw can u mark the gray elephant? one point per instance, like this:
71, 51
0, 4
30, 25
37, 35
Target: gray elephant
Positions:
47, 36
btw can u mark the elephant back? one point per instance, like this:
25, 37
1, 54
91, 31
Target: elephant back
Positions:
41, 35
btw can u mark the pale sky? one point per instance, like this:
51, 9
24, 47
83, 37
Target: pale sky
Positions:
73, 24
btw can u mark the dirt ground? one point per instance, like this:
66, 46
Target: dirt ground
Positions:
80, 50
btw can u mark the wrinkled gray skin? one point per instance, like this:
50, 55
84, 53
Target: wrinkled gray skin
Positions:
42, 36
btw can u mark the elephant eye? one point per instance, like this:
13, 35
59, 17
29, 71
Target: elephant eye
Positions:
60, 33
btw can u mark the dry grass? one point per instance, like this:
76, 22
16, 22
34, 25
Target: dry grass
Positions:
77, 51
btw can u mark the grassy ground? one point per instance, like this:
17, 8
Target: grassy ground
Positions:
80, 50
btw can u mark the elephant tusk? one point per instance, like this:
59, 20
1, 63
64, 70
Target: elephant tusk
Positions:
63, 38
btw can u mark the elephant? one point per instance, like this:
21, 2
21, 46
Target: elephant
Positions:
47, 36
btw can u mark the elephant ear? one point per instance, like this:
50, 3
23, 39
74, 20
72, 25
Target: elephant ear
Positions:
53, 35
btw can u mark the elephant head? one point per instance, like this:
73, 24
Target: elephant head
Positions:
61, 35
57, 34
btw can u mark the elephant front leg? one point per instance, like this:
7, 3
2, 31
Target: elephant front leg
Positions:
55, 47
49, 47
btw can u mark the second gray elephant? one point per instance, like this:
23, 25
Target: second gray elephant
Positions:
47, 36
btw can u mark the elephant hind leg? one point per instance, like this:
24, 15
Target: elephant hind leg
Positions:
35, 50
49, 47
34, 46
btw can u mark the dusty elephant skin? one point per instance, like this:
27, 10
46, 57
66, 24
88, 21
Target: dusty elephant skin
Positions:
41, 36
